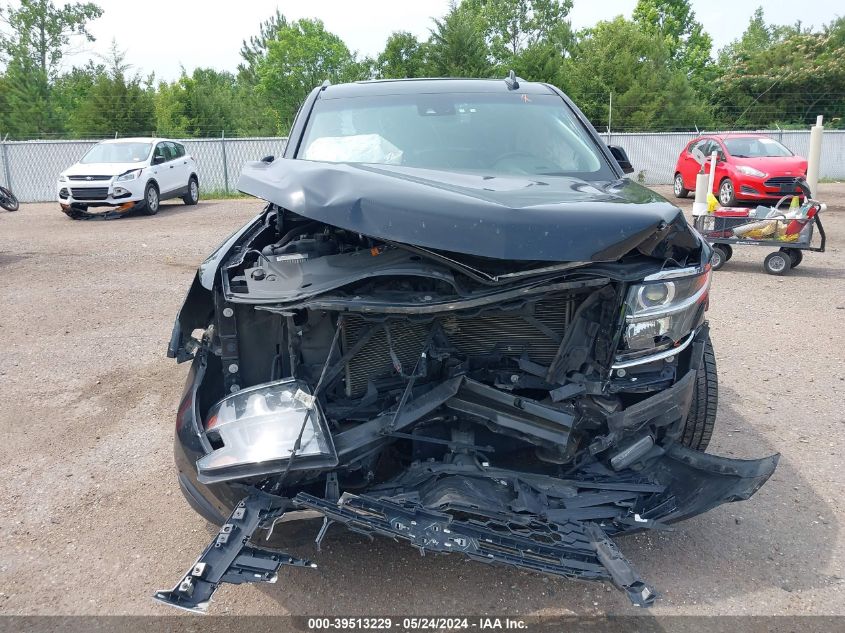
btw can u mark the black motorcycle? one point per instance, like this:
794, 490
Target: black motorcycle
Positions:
8, 200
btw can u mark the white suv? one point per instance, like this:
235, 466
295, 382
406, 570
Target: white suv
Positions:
124, 174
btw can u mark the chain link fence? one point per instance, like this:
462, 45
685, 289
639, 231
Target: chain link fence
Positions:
654, 154
30, 168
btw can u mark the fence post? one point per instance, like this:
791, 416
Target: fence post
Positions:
6, 169
225, 161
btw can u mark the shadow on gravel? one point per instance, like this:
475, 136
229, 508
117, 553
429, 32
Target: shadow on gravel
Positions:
773, 540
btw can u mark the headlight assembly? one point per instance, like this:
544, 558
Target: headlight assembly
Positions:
750, 171
257, 431
663, 310
129, 175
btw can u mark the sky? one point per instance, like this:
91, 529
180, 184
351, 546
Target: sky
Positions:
162, 36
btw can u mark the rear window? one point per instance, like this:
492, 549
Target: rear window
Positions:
512, 134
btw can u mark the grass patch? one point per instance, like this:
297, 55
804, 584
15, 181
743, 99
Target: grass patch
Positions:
222, 194
829, 181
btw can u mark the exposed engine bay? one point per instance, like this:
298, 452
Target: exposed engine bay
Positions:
518, 412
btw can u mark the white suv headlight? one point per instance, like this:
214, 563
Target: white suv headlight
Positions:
129, 175
62, 178
663, 310
750, 171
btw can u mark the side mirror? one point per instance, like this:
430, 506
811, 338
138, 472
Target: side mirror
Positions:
268, 159
622, 159
158, 159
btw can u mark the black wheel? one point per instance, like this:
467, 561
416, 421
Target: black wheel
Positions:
719, 257
151, 199
678, 187
795, 256
702, 414
8, 200
193, 195
729, 252
727, 195
777, 263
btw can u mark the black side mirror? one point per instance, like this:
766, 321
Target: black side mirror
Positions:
158, 159
268, 159
622, 159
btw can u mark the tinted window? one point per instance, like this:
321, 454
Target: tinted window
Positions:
490, 133
755, 147
130, 152
180, 150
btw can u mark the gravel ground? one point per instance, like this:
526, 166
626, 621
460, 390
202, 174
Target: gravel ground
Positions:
93, 521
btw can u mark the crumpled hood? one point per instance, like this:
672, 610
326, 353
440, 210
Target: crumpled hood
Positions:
550, 218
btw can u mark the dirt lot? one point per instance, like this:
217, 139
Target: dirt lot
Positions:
93, 521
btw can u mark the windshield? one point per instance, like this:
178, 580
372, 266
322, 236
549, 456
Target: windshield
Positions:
129, 152
513, 134
755, 147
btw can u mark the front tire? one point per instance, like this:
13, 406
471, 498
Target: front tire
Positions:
777, 263
678, 187
727, 193
152, 202
795, 256
719, 257
705, 397
8, 200
193, 195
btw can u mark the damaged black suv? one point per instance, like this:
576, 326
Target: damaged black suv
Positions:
456, 323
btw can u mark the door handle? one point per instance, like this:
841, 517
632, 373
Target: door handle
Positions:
171, 167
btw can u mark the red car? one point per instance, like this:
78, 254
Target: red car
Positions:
750, 168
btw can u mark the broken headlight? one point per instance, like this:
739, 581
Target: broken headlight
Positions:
663, 310
258, 431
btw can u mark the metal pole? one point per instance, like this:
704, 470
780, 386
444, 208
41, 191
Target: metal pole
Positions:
6, 169
609, 117
815, 155
225, 162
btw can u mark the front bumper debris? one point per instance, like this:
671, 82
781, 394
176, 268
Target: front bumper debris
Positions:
229, 559
552, 525
83, 211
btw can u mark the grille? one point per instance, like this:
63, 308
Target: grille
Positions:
779, 181
88, 178
90, 193
533, 330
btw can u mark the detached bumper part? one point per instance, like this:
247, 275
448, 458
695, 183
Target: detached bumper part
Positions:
584, 550
229, 559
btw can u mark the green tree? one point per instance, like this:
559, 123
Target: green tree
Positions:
202, 104
118, 103
70, 90
457, 46
254, 50
301, 57
688, 44
36, 38
403, 56
514, 26
797, 77
622, 58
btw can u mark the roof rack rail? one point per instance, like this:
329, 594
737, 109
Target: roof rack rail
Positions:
512, 81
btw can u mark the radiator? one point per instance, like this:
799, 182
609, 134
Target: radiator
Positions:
534, 330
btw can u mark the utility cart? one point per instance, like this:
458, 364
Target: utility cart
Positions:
788, 228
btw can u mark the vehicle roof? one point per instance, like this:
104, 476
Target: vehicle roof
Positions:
139, 139
726, 135
429, 86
